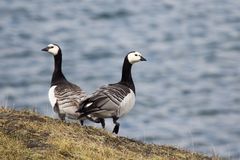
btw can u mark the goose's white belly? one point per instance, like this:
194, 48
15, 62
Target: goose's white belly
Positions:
127, 104
51, 96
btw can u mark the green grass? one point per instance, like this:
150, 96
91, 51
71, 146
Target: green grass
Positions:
27, 135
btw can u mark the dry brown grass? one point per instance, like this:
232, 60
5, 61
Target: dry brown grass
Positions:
27, 135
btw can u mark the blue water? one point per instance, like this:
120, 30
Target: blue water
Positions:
188, 92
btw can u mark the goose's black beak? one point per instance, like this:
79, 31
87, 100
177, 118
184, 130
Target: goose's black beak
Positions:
45, 49
143, 59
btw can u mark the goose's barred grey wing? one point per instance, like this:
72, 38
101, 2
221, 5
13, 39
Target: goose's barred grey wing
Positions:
69, 96
106, 101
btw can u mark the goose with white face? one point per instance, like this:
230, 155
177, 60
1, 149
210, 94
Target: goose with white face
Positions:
52, 49
134, 57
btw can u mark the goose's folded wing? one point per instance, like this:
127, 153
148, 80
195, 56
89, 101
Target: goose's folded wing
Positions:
69, 95
106, 100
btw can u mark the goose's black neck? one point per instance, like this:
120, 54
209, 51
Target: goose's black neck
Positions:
127, 75
57, 73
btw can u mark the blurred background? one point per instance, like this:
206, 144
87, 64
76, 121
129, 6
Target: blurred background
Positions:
188, 92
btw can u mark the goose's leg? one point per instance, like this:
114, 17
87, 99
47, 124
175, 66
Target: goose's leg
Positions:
57, 110
62, 116
102, 121
81, 122
97, 120
117, 125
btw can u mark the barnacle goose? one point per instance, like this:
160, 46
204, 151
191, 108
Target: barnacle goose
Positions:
114, 100
64, 96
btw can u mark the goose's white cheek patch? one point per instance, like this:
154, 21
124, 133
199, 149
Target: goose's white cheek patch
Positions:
51, 96
134, 57
53, 51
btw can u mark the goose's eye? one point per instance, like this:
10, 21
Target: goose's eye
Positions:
136, 55
51, 47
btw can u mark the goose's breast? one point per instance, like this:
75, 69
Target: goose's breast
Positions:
127, 103
51, 96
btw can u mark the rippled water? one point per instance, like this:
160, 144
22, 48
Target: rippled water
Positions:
188, 92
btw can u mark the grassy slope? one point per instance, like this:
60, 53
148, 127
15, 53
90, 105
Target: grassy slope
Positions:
27, 135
